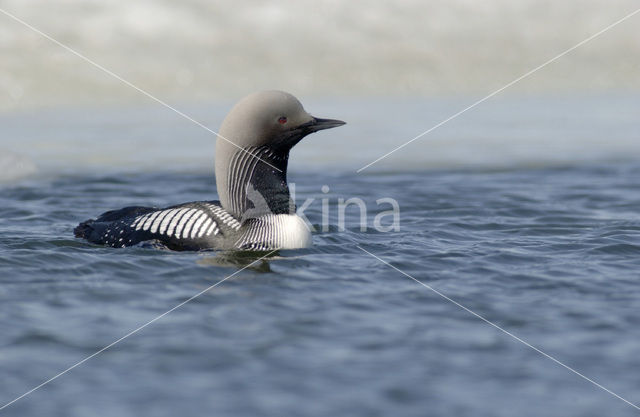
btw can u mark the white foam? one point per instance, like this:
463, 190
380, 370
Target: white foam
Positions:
14, 167
203, 49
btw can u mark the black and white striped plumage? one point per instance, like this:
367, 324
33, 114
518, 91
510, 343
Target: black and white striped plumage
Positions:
195, 226
255, 211
189, 226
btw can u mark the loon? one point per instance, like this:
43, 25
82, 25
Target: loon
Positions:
255, 210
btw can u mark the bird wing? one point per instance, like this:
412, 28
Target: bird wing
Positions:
186, 226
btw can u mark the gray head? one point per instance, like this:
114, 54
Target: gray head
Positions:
253, 150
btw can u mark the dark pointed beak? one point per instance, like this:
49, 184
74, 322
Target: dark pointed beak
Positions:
317, 124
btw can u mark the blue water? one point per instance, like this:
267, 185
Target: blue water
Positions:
550, 254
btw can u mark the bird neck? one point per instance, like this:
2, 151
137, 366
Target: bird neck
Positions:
252, 182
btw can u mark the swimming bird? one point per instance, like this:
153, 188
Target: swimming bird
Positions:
255, 210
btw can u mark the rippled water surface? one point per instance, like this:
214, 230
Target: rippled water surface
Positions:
549, 254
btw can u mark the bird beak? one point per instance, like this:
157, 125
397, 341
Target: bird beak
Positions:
316, 124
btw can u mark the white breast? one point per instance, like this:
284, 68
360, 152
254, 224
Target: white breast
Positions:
276, 231
293, 232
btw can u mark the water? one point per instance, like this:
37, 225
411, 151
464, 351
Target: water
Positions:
199, 50
544, 243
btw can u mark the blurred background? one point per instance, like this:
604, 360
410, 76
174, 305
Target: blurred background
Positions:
390, 69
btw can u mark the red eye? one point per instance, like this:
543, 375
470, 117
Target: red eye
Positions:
282, 120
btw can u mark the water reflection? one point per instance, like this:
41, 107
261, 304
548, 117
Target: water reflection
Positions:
257, 261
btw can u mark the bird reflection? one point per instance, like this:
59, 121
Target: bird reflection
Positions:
256, 261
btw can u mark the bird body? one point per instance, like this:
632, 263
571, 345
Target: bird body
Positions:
255, 211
